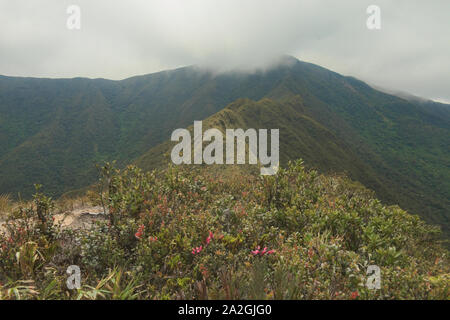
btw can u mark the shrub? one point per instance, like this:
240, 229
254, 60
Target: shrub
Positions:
191, 233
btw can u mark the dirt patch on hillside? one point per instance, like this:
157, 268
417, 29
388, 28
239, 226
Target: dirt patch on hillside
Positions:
80, 218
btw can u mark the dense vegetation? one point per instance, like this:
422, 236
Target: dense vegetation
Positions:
53, 131
197, 233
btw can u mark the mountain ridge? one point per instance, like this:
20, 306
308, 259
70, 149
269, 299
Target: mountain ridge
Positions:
53, 131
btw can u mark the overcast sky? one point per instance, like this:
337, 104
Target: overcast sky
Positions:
119, 39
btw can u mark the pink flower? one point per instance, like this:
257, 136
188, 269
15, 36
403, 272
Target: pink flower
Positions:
197, 250
256, 252
262, 252
208, 240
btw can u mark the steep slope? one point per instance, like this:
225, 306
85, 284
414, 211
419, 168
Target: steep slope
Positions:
302, 136
53, 131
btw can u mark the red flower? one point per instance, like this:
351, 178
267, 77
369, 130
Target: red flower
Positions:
197, 250
204, 271
354, 295
262, 252
140, 231
208, 240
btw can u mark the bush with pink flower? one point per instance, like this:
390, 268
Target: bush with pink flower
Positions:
196, 233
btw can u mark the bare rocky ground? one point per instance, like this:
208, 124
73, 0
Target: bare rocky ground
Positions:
78, 218
81, 218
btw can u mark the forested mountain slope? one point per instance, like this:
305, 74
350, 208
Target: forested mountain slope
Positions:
53, 131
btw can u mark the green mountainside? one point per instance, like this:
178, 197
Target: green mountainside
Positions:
53, 131
300, 137
303, 137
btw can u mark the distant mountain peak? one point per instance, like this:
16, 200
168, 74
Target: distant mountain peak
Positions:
286, 59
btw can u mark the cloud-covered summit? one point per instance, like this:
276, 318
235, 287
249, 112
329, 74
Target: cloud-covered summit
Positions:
121, 39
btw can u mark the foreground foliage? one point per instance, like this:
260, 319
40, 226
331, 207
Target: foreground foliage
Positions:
187, 233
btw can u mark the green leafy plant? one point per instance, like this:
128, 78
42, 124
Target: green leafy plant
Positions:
194, 233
